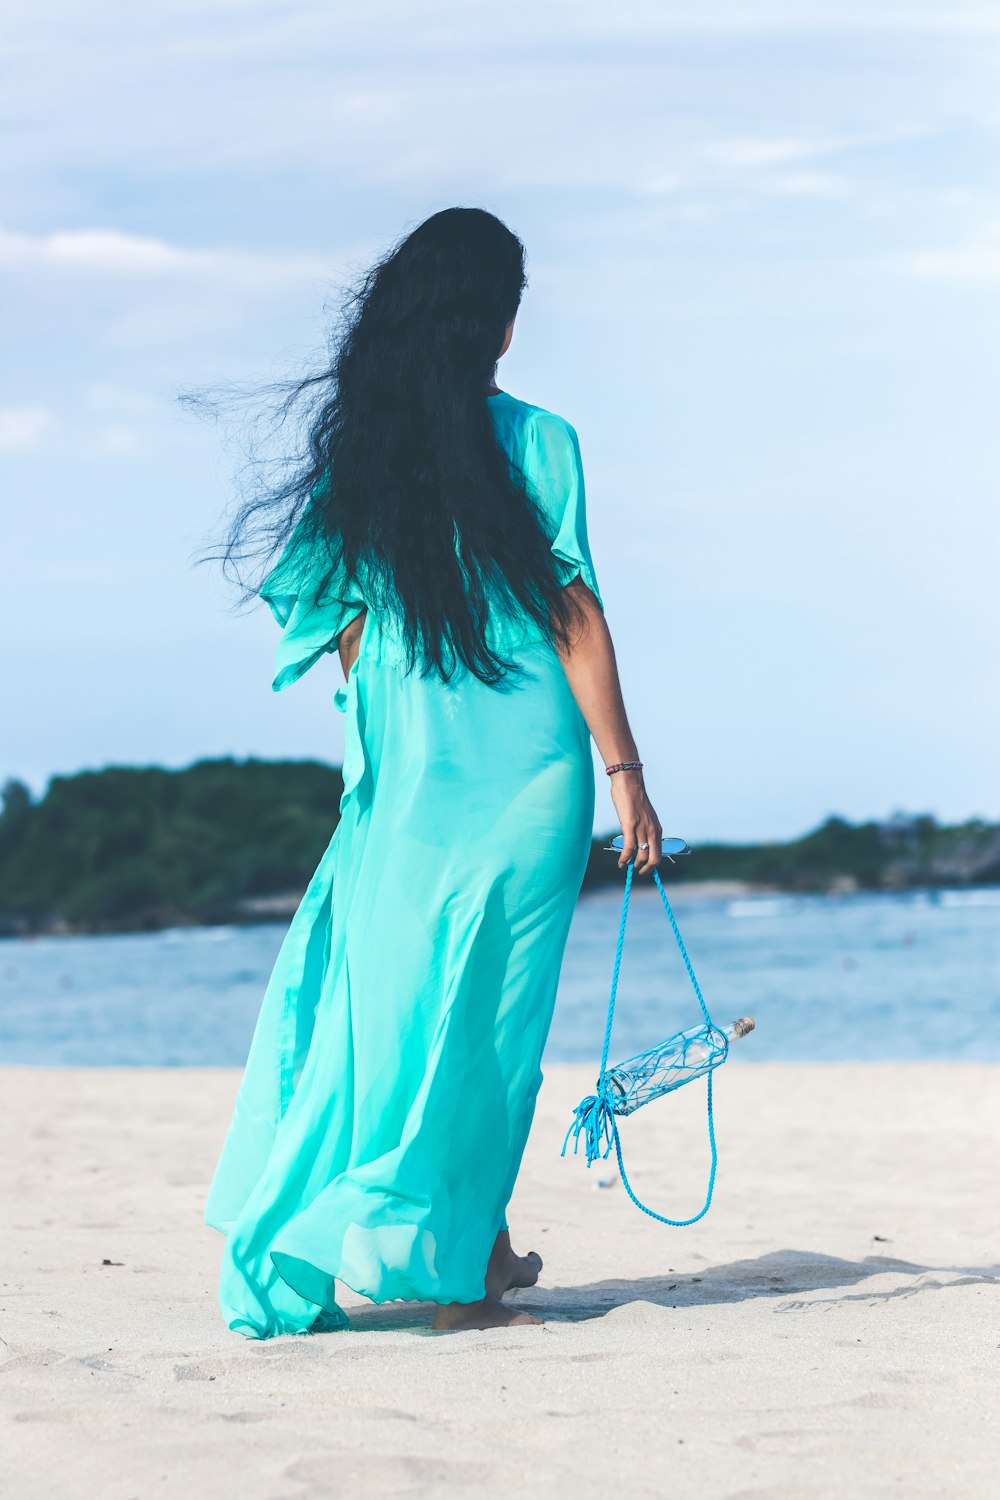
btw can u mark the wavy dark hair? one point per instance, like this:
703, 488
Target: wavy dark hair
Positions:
403, 479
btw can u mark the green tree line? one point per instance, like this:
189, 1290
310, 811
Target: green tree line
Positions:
137, 848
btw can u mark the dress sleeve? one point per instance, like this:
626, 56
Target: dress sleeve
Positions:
554, 471
312, 600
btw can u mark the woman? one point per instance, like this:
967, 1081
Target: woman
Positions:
436, 538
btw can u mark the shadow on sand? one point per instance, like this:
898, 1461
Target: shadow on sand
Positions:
782, 1274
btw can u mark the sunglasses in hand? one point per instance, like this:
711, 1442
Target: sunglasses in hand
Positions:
670, 848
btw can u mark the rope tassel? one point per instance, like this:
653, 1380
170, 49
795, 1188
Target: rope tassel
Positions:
594, 1119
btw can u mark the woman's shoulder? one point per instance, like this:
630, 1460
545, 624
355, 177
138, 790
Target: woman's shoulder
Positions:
534, 420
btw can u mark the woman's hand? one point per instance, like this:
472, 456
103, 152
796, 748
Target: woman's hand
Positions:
640, 825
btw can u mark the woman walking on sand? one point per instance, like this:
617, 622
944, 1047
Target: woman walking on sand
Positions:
436, 537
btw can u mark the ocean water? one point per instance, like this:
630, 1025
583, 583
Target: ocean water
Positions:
908, 976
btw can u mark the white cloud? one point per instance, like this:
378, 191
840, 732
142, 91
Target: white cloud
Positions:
750, 152
660, 182
808, 185
117, 441
115, 401
761, 152
110, 252
443, 97
977, 261
23, 427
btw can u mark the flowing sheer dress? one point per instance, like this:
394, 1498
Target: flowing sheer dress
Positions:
392, 1075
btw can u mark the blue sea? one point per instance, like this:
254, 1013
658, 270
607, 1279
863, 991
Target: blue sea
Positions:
828, 978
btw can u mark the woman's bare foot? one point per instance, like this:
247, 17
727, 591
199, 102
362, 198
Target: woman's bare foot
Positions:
489, 1313
506, 1270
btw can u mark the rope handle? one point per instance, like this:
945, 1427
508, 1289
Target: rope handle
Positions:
595, 1117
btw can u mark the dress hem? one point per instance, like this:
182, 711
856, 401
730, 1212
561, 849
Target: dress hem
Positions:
332, 1307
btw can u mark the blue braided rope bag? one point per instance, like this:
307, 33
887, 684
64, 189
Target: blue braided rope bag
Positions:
624, 1087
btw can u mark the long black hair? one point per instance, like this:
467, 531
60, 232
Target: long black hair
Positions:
403, 480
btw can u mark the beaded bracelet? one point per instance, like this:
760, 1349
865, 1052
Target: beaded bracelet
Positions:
624, 765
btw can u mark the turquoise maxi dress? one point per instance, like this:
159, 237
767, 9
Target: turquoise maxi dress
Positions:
392, 1076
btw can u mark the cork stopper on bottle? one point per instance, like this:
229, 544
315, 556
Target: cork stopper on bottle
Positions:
743, 1025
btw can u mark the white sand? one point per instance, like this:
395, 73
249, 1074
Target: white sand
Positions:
830, 1330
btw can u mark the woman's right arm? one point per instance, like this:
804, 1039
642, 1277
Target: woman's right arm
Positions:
592, 673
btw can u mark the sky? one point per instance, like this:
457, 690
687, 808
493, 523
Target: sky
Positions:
764, 285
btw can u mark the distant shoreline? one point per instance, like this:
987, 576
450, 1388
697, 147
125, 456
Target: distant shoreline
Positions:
280, 909
227, 842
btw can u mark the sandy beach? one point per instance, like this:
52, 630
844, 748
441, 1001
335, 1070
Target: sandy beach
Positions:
830, 1329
